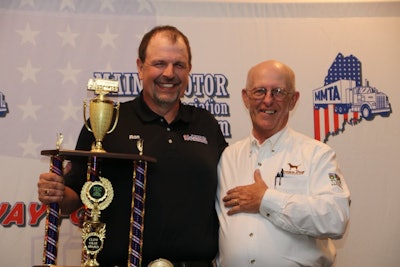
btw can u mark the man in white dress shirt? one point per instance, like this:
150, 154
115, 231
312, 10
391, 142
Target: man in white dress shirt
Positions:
281, 195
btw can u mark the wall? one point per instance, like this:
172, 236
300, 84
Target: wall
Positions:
50, 49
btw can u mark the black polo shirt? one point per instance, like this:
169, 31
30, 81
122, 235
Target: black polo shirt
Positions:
180, 219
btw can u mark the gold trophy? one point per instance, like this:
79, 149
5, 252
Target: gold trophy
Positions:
101, 111
96, 196
97, 193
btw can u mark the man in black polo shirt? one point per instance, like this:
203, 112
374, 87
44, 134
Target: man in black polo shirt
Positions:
180, 219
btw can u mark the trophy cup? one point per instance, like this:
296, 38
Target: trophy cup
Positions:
96, 196
101, 111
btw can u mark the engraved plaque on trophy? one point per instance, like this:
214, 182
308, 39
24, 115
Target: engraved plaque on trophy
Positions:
101, 111
96, 196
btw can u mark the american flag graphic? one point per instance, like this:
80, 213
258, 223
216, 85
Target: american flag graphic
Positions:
344, 100
327, 121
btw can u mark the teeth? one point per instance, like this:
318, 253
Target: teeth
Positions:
269, 111
167, 85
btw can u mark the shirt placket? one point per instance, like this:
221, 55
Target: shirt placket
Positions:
257, 155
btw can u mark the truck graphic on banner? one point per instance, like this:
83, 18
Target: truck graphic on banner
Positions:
346, 97
344, 100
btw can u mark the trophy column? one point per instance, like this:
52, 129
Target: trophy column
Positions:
137, 210
137, 214
53, 213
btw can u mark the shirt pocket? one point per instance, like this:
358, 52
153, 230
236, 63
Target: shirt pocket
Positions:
292, 184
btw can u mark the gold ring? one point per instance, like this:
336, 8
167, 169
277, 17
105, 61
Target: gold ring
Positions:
237, 202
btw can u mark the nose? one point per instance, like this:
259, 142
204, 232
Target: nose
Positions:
268, 98
169, 71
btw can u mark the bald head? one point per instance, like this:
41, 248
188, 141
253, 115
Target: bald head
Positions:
268, 68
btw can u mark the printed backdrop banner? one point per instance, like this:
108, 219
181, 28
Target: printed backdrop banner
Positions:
345, 56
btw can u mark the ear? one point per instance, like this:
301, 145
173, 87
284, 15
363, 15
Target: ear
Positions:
293, 100
139, 65
245, 98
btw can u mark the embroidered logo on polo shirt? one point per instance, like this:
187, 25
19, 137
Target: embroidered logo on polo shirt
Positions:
294, 169
195, 138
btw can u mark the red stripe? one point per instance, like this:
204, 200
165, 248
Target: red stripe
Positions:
346, 117
317, 129
326, 117
335, 121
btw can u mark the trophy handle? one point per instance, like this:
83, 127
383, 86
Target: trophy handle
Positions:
84, 117
116, 119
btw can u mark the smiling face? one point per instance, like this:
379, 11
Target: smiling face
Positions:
269, 114
164, 73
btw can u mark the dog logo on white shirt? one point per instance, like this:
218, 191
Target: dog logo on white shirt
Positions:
294, 169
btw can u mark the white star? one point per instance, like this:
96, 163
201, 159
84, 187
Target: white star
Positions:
29, 109
70, 111
107, 38
144, 5
107, 4
28, 35
28, 72
30, 148
68, 37
67, 4
69, 74
26, 2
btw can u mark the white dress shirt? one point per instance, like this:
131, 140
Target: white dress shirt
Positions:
300, 212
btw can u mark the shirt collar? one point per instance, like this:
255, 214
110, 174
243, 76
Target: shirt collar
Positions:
146, 114
271, 143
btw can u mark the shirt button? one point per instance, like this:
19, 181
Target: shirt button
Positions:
251, 234
168, 129
268, 214
253, 261
170, 141
259, 164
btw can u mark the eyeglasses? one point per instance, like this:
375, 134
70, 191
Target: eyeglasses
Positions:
260, 92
